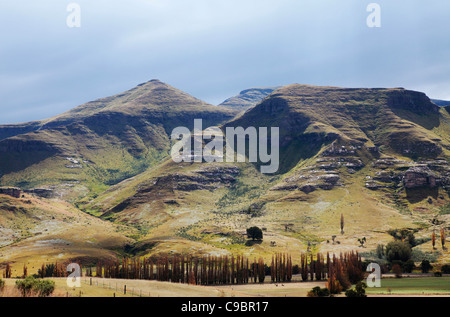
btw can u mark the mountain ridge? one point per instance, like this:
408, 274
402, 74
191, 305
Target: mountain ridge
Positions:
379, 157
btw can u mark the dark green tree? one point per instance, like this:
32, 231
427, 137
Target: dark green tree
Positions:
362, 241
426, 266
254, 233
445, 269
397, 250
380, 251
408, 266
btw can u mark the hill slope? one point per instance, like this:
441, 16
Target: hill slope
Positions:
101, 142
34, 231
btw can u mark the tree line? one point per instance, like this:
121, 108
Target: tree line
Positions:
341, 271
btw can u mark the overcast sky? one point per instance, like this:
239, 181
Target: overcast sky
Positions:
213, 49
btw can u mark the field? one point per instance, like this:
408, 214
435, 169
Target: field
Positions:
413, 286
430, 286
144, 288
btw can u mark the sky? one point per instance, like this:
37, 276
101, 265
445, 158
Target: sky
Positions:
213, 49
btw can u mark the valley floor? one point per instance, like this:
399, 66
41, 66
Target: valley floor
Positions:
403, 287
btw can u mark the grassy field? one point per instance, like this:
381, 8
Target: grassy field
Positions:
96, 287
145, 288
413, 286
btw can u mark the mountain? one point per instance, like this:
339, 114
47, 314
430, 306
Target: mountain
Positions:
376, 157
395, 121
101, 142
441, 103
379, 157
248, 98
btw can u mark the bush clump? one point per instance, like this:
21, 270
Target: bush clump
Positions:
30, 286
426, 266
319, 292
409, 266
445, 269
397, 270
398, 251
359, 291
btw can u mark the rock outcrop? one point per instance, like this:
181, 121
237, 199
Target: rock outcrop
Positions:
10, 191
420, 176
42, 192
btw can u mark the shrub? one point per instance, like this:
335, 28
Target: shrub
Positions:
445, 269
405, 235
359, 291
2, 284
45, 288
362, 241
418, 255
397, 270
408, 266
26, 286
365, 264
319, 292
384, 268
396, 262
397, 250
426, 266
380, 251
42, 288
438, 274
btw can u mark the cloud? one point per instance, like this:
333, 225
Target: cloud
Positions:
213, 48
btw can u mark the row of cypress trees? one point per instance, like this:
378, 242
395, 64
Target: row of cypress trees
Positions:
206, 270
341, 271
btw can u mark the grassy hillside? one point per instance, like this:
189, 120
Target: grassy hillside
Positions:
36, 231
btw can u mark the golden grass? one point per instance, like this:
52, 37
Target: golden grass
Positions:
143, 288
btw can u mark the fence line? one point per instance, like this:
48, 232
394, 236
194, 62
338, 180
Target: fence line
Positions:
119, 288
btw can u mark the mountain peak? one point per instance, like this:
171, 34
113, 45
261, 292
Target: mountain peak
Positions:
152, 94
153, 82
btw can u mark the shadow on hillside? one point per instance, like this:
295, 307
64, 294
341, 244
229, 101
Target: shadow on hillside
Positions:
416, 195
251, 243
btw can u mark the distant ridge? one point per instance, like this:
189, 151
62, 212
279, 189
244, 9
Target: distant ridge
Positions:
441, 103
248, 98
